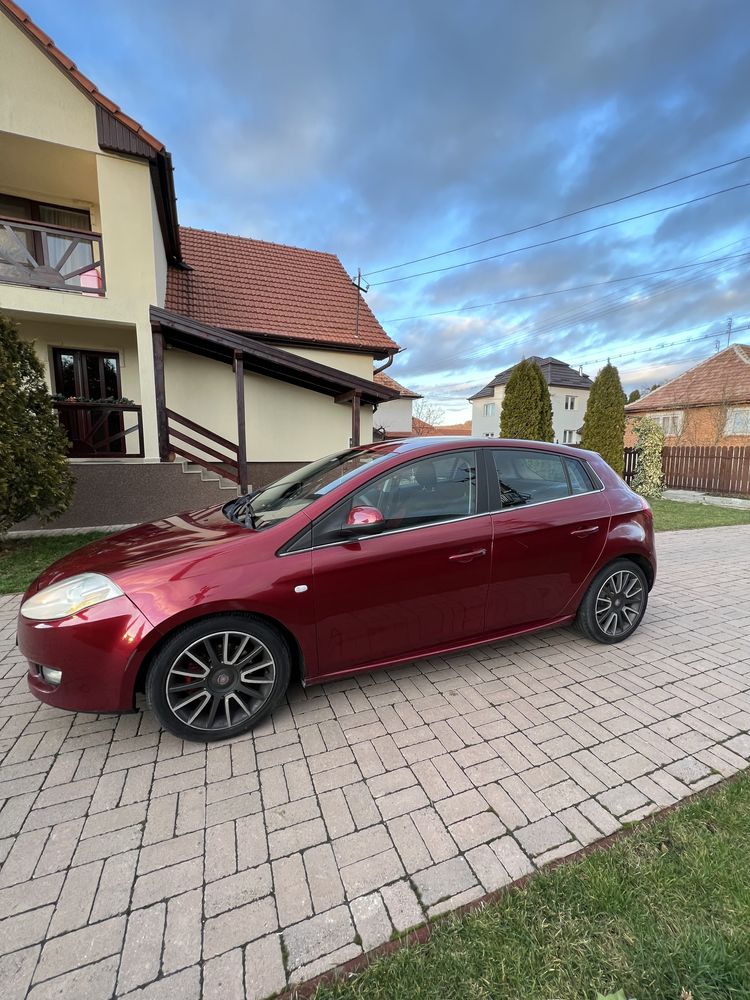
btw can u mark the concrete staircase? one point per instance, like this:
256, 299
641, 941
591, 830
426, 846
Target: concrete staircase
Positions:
225, 488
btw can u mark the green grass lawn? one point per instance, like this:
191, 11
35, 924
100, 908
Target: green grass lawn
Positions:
672, 515
663, 910
22, 559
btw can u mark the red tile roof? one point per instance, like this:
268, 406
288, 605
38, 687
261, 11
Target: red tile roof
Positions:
722, 378
450, 430
272, 290
22, 19
390, 383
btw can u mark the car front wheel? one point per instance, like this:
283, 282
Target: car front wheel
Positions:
218, 677
615, 603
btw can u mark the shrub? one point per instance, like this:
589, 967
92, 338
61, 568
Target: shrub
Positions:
527, 408
34, 474
604, 422
649, 478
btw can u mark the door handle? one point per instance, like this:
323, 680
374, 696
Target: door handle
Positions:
464, 557
583, 532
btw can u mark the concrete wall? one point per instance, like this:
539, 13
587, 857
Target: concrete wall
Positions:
568, 420
394, 415
36, 100
283, 422
487, 426
49, 333
129, 493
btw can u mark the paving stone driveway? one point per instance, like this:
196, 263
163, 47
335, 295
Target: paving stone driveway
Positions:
139, 865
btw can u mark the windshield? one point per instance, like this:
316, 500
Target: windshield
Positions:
298, 490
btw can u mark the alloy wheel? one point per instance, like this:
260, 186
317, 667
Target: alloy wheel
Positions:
220, 680
619, 602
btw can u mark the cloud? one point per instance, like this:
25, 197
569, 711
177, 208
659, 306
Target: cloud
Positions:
389, 132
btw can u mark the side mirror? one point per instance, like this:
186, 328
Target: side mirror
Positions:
362, 521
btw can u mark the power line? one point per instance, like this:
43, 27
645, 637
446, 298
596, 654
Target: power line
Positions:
594, 311
562, 291
560, 239
559, 218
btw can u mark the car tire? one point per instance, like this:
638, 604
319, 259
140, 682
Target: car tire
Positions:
218, 677
614, 603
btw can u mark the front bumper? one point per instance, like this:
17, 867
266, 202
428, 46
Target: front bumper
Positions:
95, 650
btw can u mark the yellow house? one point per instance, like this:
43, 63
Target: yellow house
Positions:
182, 362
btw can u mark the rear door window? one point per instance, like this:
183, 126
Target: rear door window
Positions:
527, 477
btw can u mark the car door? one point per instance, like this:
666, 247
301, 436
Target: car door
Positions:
421, 583
549, 524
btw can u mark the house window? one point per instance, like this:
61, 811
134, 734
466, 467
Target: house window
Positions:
489, 409
570, 402
670, 423
738, 420
568, 437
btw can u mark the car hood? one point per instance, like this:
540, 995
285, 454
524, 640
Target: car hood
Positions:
183, 541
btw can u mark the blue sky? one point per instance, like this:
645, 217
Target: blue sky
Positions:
391, 131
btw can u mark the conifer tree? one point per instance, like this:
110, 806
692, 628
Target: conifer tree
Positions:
604, 422
527, 409
34, 474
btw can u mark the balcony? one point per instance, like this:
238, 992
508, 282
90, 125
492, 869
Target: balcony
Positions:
102, 429
47, 256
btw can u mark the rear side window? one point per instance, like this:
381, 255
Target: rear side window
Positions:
527, 476
580, 480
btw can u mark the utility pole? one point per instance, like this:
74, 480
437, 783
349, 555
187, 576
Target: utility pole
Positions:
361, 287
729, 329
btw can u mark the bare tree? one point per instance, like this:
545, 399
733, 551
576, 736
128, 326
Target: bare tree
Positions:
426, 413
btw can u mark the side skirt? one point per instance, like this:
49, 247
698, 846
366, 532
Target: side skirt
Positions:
438, 651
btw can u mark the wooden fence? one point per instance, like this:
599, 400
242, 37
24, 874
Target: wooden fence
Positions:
723, 471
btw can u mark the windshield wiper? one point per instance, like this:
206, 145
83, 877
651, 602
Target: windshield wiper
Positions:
240, 511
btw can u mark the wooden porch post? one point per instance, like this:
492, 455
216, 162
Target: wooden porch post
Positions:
356, 411
160, 391
239, 381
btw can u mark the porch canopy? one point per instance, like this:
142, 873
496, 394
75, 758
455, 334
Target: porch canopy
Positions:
245, 354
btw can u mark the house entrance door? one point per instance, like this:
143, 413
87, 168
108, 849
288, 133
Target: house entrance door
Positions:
94, 376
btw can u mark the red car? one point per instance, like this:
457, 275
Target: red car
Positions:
375, 556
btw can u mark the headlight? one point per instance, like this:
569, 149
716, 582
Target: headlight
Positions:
70, 596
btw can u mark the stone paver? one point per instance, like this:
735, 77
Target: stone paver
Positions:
133, 864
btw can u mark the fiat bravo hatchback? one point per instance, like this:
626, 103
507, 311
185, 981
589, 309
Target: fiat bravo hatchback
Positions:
375, 556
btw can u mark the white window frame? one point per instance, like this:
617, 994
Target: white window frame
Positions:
568, 437
489, 410
570, 402
670, 421
738, 421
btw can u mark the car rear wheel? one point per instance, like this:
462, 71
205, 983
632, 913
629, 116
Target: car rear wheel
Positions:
218, 677
615, 603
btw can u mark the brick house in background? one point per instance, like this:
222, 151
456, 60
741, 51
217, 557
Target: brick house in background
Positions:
708, 405
569, 393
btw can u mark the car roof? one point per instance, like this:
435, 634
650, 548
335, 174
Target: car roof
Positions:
434, 444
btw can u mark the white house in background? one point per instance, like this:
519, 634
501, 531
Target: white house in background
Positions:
569, 391
394, 418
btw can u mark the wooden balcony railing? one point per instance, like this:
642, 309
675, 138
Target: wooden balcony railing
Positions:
102, 430
48, 256
226, 461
